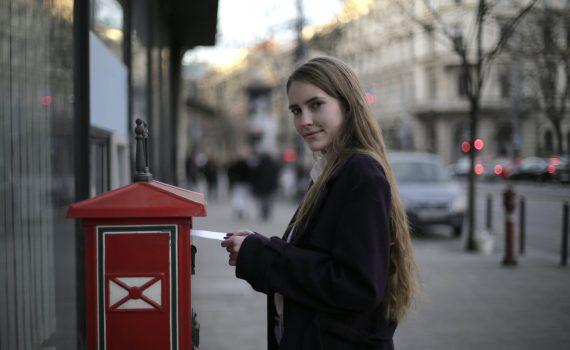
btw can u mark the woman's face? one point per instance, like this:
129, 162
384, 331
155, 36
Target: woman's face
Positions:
317, 116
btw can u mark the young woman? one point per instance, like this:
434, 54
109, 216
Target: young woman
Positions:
343, 274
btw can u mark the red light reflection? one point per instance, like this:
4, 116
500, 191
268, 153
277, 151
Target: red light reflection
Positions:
479, 169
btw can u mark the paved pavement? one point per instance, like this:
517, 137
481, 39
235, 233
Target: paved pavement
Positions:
469, 301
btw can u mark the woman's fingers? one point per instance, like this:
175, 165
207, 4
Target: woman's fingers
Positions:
232, 243
233, 259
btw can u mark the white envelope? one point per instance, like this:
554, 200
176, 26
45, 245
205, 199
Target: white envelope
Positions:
218, 236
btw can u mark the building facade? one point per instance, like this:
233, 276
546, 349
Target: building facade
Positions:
414, 77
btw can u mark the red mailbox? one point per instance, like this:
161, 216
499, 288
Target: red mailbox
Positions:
138, 265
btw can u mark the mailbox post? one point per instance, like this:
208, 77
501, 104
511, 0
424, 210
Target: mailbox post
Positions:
138, 262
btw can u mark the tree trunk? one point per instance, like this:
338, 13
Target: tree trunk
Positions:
473, 125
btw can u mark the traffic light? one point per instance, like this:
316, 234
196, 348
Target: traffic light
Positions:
478, 144
466, 146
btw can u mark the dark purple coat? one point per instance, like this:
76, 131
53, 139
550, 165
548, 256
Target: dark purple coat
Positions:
334, 273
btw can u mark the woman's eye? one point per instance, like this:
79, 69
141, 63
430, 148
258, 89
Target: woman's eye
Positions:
295, 111
316, 105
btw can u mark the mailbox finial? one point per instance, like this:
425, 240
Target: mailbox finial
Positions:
142, 171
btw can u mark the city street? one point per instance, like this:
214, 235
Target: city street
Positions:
468, 301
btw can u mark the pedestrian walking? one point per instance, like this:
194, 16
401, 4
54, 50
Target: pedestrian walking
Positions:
264, 183
191, 171
210, 171
343, 274
239, 183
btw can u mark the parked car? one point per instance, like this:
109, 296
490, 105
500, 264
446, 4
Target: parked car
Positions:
531, 168
501, 168
461, 168
559, 168
428, 191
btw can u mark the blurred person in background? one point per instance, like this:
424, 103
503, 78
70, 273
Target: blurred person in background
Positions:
344, 274
264, 177
238, 178
191, 171
210, 171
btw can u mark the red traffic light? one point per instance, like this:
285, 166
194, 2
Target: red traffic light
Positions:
479, 169
478, 144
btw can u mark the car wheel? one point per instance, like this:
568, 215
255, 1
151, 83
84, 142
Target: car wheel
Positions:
457, 231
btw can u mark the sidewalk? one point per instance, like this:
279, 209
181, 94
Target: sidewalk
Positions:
468, 301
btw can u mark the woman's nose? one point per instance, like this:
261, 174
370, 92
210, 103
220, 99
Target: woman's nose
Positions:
306, 119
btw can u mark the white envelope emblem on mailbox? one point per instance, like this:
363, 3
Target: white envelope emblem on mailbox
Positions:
135, 293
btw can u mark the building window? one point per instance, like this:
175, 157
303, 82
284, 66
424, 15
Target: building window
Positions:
505, 85
457, 33
548, 143
504, 139
431, 136
99, 163
430, 39
431, 82
461, 83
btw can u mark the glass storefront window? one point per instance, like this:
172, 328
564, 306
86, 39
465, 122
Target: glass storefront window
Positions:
37, 182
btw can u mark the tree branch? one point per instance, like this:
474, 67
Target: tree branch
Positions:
451, 36
427, 26
507, 32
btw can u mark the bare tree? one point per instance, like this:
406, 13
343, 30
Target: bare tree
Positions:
545, 44
475, 63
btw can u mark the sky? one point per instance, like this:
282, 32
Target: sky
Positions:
242, 23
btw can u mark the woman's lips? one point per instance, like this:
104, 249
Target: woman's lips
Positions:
309, 134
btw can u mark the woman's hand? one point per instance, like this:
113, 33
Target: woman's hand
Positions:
232, 242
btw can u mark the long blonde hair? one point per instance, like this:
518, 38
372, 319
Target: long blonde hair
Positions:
361, 133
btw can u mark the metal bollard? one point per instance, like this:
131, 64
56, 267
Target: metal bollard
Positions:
522, 226
489, 222
509, 204
564, 250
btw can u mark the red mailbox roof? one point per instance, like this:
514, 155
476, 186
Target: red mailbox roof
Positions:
141, 199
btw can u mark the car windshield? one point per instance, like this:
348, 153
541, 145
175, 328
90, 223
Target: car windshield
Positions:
418, 171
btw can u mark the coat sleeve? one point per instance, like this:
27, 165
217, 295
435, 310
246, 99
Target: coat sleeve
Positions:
350, 278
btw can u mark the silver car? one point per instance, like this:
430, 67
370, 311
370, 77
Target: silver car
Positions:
429, 193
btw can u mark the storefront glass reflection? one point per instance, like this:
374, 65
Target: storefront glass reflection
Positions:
107, 24
37, 243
